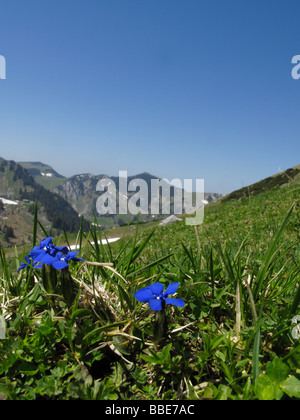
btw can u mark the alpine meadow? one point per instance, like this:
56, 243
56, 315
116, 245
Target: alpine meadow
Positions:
171, 312
150, 203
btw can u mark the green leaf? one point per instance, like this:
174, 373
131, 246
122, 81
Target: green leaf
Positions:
160, 357
264, 389
166, 352
151, 359
291, 386
223, 393
49, 386
80, 313
28, 303
277, 370
27, 368
121, 344
217, 341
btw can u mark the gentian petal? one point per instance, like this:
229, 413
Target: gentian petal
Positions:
52, 250
156, 288
44, 259
45, 242
143, 295
155, 304
72, 256
35, 252
171, 289
78, 259
22, 266
27, 259
36, 265
59, 264
60, 255
176, 302
28, 264
63, 249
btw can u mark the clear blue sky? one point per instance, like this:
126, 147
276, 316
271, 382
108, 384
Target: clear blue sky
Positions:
177, 88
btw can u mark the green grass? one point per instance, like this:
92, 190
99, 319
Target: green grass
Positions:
232, 340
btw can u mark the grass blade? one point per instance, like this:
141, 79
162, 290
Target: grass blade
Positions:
35, 222
273, 249
255, 356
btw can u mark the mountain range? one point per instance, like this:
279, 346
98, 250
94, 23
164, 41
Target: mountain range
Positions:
81, 191
63, 201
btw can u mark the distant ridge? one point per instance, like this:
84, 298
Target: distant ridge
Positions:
40, 169
288, 177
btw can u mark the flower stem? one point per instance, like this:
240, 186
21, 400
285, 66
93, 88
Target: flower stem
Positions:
49, 278
160, 325
68, 287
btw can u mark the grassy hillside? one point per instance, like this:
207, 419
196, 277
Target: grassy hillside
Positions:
43, 174
16, 183
20, 220
239, 277
287, 178
38, 167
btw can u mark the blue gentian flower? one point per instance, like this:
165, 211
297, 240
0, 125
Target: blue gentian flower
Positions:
61, 260
28, 264
155, 296
45, 250
49, 254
